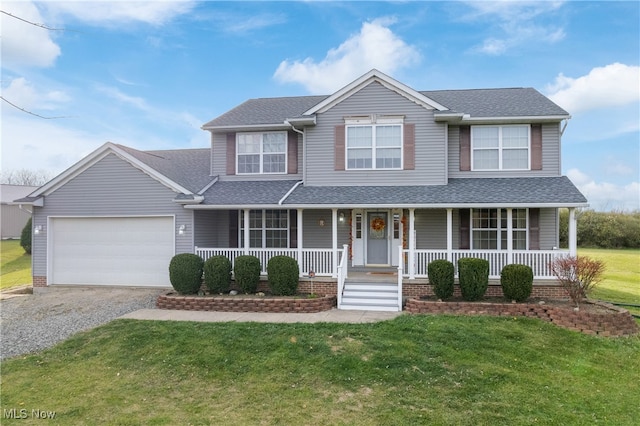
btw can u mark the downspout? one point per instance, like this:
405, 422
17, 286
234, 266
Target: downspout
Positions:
20, 207
564, 127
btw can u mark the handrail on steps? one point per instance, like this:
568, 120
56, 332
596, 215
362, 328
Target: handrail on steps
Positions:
342, 272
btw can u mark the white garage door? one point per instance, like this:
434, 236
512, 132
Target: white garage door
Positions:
133, 251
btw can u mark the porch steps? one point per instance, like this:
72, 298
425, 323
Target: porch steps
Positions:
369, 296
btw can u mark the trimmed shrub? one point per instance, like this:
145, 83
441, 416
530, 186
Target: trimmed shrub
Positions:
217, 274
185, 273
474, 278
247, 273
577, 275
441, 274
517, 282
25, 237
283, 275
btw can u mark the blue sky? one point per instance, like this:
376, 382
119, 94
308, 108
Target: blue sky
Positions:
149, 74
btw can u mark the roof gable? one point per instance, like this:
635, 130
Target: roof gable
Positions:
365, 80
97, 155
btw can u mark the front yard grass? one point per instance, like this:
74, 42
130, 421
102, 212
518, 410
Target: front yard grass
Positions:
415, 369
15, 265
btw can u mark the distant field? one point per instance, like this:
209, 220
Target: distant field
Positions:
15, 264
622, 276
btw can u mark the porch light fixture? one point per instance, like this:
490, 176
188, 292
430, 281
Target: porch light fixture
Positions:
341, 217
181, 229
37, 229
321, 222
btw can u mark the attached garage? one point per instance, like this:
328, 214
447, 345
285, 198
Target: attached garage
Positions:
131, 251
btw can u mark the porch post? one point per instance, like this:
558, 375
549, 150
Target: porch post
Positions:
246, 231
450, 235
412, 244
334, 239
573, 232
299, 240
509, 236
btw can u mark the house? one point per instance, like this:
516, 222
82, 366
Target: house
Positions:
374, 175
14, 218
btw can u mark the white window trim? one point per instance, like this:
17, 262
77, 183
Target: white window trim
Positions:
500, 148
499, 229
373, 121
261, 153
263, 228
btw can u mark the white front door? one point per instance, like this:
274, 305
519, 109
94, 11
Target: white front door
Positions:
377, 238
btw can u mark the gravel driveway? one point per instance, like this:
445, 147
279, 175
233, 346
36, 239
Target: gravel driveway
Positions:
37, 321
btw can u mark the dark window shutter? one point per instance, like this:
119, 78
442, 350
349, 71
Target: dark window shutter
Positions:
293, 229
536, 147
231, 153
292, 152
339, 138
465, 229
233, 228
534, 229
409, 146
465, 148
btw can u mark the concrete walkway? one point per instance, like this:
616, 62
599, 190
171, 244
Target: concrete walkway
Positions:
334, 315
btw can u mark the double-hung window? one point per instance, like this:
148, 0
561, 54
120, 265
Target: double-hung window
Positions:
262, 153
500, 147
267, 229
374, 144
489, 228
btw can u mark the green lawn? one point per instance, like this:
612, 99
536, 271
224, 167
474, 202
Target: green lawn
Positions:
15, 264
411, 370
622, 277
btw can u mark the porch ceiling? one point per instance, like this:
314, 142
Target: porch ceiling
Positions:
533, 191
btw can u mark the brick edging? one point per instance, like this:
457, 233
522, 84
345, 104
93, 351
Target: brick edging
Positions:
240, 303
616, 322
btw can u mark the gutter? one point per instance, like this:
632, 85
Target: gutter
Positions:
293, 188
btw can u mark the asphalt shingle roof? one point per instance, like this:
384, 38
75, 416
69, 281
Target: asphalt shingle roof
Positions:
189, 168
478, 103
505, 191
241, 193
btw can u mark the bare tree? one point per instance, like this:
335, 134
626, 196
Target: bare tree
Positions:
25, 177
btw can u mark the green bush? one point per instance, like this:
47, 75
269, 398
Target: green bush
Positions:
185, 273
283, 273
25, 237
247, 273
474, 277
441, 274
517, 282
217, 274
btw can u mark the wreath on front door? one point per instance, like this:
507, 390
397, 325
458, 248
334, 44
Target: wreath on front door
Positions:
377, 224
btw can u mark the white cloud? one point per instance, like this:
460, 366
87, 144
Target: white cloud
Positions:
118, 12
606, 196
517, 24
375, 46
604, 87
24, 44
23, 93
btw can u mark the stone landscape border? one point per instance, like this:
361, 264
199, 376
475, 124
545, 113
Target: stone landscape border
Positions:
608, 321
240, 303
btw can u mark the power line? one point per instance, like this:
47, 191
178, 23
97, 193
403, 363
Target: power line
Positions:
34, 23
32, 113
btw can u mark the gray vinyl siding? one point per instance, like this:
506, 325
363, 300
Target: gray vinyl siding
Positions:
219, 162
430, 152
212, 228
316, 236
431, 229
550, 156
110, 187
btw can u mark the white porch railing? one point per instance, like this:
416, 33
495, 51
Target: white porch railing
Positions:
318, 260
342, 272
538, 260
400, 276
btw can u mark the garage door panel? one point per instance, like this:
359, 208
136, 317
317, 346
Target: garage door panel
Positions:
112, 251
